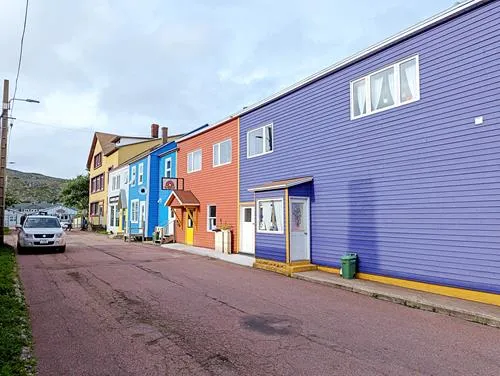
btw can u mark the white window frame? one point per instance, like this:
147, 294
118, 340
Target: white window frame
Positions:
397, 89
208, 217
117, 182
257, 219
264, 152
169, 170
134, 218
140, 175
133, 177
218, 145
190, 155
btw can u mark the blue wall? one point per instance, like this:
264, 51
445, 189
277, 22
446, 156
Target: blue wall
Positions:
414, 190
270, 246
135, 192
163, 211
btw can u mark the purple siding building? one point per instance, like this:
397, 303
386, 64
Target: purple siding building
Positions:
393, 154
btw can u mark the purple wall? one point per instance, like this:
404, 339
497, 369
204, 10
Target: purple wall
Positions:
414, 190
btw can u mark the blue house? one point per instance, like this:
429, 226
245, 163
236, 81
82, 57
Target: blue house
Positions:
167, 169
392, 154
146, 194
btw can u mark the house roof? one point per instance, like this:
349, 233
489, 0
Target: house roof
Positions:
454, 11
106, 142
281, 184
182, 199
145, 153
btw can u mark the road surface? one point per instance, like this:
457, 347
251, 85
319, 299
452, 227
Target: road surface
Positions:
106, 307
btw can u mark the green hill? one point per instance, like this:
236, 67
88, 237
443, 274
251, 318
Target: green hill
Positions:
31, 187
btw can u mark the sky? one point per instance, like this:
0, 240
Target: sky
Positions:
119, 65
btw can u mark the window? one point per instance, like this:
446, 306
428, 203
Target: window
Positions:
97, 160
194, 161
387, 88
140, 180
132, 177
211, 217
168, 168
270, 216
97, 183
248, 215
260, 141
222, 153
94, 208
134, 211
125, 177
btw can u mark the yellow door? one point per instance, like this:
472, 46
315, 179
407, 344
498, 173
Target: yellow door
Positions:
189, 227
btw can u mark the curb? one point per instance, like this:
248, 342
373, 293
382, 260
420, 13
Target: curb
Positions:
463, 314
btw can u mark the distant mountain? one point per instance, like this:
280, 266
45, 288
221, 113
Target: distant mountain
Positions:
31, 187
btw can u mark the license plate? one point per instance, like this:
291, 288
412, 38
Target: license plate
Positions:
44, 241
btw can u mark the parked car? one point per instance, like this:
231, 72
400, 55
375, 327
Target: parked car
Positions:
41, 232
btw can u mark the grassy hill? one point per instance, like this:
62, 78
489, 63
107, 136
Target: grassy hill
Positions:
31, 187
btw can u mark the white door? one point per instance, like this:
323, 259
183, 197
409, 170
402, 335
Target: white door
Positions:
142, 215
247, 230
112, 214
299, 229
171, 222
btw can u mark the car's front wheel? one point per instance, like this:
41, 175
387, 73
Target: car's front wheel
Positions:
61, 249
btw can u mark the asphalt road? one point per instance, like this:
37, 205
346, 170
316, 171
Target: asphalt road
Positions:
106, 307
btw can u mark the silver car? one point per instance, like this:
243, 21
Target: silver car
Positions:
41, 232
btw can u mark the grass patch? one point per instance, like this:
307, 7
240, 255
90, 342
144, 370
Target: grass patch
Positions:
6, 231
15, 331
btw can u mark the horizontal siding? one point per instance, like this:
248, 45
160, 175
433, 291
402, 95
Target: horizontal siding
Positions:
134, 192
212, 185
153, 192
414, 190
301, 190
163, 211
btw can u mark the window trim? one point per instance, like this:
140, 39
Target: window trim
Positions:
397, 94
140, 174
230, 153
96, 166
201, 161
165, 168
263, 140
257, 215
208, 217
132, 202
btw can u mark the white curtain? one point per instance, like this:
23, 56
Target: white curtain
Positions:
392, 88
225, 152
410, 71
376, 89
360, 92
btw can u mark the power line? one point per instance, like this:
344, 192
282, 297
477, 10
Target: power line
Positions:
20, 54
55, 126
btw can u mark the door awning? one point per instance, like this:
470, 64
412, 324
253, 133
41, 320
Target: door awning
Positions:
182, 199
281, 184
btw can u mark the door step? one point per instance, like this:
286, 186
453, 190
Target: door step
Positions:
284, 268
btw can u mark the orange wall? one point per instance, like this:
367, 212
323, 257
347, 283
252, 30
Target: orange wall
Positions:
212, 185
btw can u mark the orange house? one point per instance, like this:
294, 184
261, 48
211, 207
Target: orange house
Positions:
207, 194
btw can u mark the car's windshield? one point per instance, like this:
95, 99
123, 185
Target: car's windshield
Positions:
42, 223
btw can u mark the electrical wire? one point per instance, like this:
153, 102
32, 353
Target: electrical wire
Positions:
20, 55
55, 126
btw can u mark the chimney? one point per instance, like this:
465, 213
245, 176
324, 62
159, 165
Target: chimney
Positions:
164, 135
154, 130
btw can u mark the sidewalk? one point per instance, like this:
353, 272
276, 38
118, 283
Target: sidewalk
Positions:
234, 258
472, 311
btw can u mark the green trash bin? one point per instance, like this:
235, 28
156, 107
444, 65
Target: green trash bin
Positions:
348, 262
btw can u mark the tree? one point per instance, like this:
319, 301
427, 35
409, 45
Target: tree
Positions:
76, 192
10, 199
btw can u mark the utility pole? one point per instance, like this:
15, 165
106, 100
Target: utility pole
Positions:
3, 155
